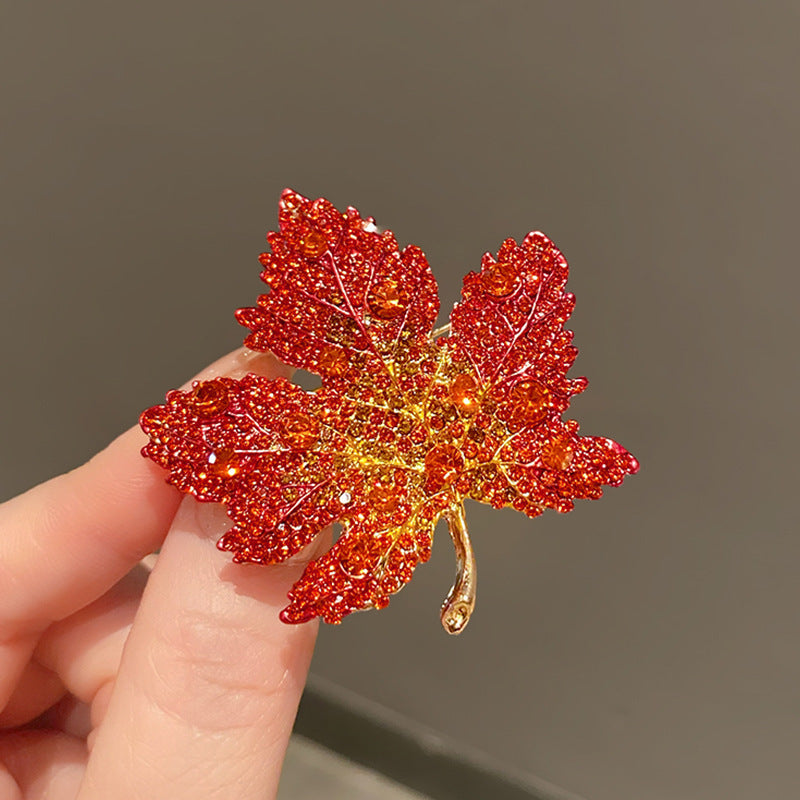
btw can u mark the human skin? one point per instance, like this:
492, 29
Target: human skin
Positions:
118, 682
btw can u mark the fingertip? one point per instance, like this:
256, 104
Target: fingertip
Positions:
209, 668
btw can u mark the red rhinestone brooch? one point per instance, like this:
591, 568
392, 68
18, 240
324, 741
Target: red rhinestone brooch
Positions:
408, 422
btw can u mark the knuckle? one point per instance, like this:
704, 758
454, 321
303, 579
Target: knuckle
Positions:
215, 674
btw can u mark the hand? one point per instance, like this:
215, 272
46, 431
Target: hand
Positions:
120, 683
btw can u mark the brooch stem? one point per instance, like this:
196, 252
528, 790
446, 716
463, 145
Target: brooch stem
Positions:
460, 601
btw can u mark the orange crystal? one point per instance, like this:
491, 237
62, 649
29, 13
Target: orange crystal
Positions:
383, 498
385, 299
360, 558
314, 244
333, 360
442, 465
299, 430
499, 279
529, 403
223, 463
557, 453
209, 398
464, 393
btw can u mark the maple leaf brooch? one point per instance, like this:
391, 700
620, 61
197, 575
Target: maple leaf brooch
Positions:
408, 422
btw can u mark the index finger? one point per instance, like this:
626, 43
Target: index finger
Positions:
67, 541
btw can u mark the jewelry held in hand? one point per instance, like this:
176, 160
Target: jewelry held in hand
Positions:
408, 422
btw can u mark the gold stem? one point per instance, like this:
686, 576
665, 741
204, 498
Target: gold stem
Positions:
440, 331
460, 602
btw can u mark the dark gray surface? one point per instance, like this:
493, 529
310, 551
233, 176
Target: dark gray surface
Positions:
384, 741
311, 771
641, 647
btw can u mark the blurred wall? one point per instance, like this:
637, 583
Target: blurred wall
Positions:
642, 647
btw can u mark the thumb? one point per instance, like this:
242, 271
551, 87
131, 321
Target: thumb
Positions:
210, 679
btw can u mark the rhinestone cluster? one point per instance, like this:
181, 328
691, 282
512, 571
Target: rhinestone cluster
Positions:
405, 426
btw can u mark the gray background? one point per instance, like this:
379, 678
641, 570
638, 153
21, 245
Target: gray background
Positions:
642, 647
